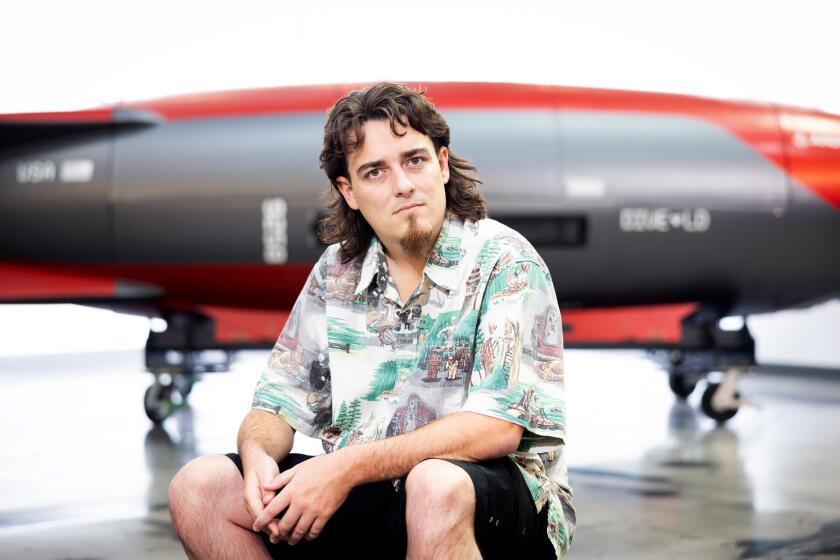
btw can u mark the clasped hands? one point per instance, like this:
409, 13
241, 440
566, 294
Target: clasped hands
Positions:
310, 493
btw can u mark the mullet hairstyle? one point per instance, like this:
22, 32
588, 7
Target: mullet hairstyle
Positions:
343, 134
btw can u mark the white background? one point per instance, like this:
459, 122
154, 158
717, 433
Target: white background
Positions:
71, 55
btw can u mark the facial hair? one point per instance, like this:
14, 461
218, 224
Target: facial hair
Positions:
417, 242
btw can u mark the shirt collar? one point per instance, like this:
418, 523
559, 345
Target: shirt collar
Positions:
442, 266
370, 265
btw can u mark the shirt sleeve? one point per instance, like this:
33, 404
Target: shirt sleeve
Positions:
295, 383
517, 372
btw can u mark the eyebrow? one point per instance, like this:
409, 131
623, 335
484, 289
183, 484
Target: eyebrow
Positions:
408, 154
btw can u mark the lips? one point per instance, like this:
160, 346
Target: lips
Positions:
407, 206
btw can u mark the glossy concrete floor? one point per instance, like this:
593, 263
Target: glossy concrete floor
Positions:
83, 474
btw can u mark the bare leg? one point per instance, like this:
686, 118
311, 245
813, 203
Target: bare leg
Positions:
208, 511
440, 511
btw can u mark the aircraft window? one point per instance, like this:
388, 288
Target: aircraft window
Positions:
549, 231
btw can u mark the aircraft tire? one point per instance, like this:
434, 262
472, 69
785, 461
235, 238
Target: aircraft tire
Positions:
720, 416
680, 386
158, 402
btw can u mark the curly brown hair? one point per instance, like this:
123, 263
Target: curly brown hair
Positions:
401, 105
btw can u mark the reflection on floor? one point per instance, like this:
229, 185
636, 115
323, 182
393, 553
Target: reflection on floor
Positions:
84, 474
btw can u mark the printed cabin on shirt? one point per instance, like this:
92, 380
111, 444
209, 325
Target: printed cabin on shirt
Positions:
481, 333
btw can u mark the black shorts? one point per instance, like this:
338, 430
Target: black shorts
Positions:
371, 522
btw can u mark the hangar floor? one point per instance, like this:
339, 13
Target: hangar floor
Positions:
83, 474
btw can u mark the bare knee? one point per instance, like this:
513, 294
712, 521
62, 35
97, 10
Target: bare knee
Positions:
208, 510
439, 486
201, 482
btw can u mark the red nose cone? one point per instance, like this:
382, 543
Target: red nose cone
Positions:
812, 144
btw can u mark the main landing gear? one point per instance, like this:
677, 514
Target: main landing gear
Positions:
176, 357
707, 349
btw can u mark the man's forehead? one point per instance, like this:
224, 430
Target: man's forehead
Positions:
378, 138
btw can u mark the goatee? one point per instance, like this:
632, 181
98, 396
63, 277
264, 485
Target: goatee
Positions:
417, 242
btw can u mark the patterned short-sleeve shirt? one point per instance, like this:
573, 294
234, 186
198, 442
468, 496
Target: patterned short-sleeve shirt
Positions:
481, 333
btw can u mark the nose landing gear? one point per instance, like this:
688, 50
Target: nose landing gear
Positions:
706, 348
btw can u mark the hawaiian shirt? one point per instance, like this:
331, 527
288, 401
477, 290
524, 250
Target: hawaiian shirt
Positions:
481, 333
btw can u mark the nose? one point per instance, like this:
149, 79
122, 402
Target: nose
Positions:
402, 183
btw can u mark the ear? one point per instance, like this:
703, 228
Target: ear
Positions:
443, 160
347, 192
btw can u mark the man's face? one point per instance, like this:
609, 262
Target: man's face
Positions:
397, 183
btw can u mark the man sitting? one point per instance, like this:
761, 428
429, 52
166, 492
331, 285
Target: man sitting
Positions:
431, 370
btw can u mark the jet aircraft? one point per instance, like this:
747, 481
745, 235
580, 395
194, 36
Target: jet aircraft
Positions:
657, 214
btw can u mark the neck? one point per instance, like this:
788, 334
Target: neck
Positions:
399, 259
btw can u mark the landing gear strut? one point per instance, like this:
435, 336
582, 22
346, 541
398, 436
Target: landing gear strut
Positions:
706, 348
176, 356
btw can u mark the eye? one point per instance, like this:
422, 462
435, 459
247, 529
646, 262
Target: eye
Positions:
415, 161
374, 173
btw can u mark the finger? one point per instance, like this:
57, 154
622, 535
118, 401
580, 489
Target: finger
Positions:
278, 504
315, 530
287, 523
273, 528
267, 497
301, 529
280, 480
